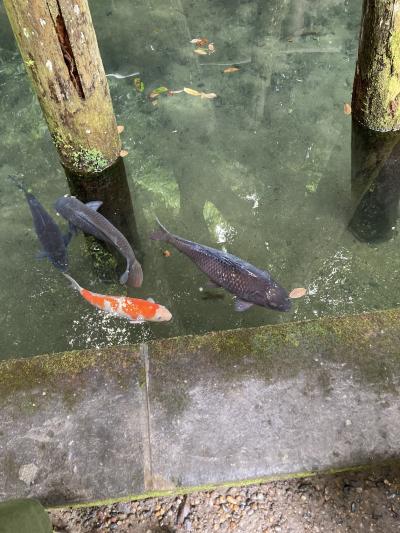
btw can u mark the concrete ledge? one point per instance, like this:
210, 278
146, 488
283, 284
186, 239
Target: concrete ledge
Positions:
201, 410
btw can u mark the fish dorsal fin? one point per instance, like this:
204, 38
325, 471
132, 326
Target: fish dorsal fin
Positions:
95, 205
241, 305
150, 300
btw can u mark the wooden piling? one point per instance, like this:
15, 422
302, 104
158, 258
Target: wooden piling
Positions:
376, 89
58, 45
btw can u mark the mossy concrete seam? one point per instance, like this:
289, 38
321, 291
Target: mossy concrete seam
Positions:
236, 483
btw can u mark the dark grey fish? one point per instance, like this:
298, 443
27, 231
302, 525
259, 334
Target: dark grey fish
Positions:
86, 218
249, 284
49, 234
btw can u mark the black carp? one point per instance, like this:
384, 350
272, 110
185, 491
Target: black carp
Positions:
249, 284
54, 244
86, 218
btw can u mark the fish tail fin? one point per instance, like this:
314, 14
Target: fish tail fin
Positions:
133, 276
74, 284
162, 234
19, 184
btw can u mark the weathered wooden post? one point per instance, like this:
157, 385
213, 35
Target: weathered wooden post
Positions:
59, 48
376, 89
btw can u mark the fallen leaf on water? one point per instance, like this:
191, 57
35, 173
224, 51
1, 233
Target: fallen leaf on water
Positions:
228, 70
166, 253
200, 41
176, 92
299, 292
155, 93
139, 85
160, 90
347, 109
200, 52
120, 129
210, 96
123, 153
192, 92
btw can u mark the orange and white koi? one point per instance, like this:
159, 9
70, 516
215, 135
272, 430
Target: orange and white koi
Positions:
135, 310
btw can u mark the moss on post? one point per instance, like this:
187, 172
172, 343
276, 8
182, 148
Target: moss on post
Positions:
376, 89
58, 44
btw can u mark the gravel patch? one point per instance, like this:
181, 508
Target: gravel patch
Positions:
346, 502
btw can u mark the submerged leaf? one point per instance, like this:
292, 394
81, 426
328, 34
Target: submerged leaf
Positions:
139, 85
228, 70
200, 52
299, 292
210, 96
123, 153
120, 129
160, 90
166, 253
200, 41
211, 48
192, 92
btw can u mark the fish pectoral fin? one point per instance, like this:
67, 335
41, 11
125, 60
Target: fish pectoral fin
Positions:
242, 305
150, 300
67, 237
124, 278
72, 229
42, 255
212, 285
95, 205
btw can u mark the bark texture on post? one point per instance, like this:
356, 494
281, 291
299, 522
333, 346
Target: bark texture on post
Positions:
58, 44
376, 89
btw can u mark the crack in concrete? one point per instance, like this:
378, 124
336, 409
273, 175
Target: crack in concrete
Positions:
147, 458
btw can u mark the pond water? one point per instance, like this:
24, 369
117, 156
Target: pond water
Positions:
262, 171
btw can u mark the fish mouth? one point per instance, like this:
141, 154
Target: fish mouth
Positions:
163, 315
62, 266
283, 306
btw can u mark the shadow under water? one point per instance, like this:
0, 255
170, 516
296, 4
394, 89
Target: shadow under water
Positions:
375, 184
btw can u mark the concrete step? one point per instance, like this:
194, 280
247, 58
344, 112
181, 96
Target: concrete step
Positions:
196, 411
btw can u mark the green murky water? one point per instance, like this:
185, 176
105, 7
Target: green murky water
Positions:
262, 171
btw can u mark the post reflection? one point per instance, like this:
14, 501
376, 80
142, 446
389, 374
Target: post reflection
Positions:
375, 184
